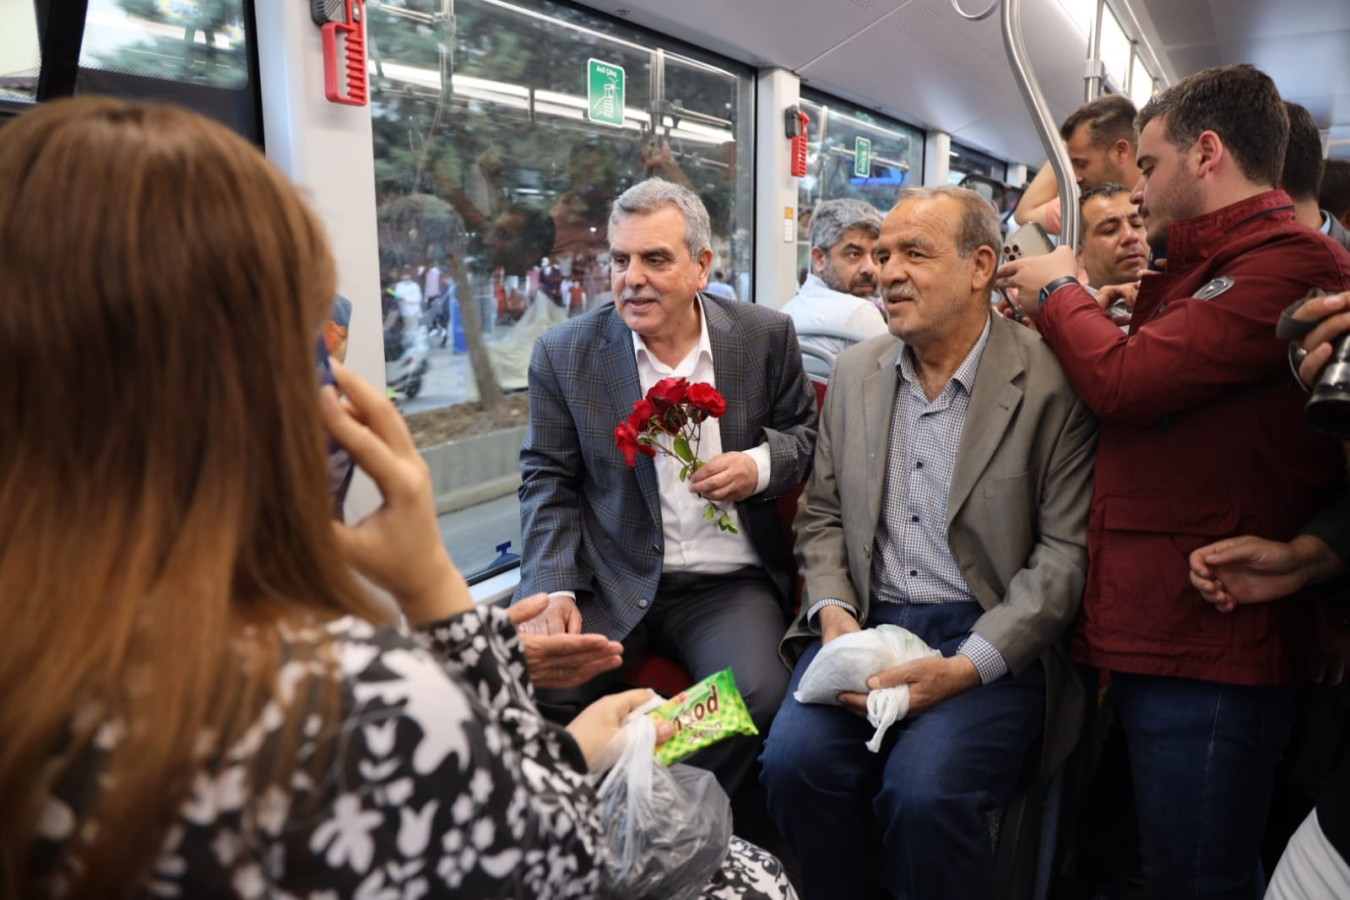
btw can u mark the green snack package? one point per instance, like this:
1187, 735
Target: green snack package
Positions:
703, 715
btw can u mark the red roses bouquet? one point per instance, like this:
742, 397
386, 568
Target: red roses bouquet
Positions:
668, 420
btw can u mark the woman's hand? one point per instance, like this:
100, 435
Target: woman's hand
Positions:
596, 725
398, 547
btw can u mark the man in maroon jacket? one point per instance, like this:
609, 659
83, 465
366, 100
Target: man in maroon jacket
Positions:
1203, 437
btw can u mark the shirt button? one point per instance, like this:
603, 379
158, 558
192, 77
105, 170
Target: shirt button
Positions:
919, 465
642, 604
914, 518
913, 573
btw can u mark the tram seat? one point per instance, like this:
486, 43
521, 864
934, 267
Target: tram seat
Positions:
818, 361
666, 676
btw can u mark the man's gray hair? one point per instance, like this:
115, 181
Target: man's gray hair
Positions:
646, 197
979, 225
835, 218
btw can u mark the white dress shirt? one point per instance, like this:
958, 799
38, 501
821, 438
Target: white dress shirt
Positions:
816, 306
693, 543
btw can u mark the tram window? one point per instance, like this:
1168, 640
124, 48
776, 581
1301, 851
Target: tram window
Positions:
895, 160
1115, 48
20, 53
1141, 83
493, 182
200, 43
965, 161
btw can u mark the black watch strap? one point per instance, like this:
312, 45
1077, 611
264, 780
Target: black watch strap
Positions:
1054, 286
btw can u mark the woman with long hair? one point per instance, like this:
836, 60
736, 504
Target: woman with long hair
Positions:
197, 698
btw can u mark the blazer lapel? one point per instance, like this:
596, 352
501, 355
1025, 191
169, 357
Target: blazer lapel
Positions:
620, 367
992, 404
729, 372
878, 396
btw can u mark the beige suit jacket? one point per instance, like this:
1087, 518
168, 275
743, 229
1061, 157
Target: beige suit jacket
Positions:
1016, 515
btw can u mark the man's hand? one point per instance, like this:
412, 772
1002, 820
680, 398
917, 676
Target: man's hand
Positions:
1334, 320
1008, 310
562, 660
1031, 273
558, 616
930, 681
1113, 293
1250, 569
727, 476
835, 621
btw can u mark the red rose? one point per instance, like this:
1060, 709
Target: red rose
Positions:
668, 392
643, 411
707, 398
626, 438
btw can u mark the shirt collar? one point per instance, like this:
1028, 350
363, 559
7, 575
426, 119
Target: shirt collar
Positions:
964, 374
1326, 222
1193, 240
704, 347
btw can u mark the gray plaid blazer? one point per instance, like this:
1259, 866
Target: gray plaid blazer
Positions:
591, 523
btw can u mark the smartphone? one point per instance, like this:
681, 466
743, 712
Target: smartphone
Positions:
1029, 240
340, 463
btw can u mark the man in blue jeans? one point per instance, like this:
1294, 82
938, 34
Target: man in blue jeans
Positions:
949, 495
1203, 438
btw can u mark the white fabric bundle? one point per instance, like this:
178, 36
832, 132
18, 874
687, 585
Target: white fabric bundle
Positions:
846, 663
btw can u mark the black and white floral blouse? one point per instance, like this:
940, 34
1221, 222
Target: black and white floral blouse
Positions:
446, 783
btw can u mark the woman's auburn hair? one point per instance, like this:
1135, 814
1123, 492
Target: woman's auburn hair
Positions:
163, 469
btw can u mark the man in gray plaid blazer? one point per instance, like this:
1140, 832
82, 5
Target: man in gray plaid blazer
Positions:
626, 551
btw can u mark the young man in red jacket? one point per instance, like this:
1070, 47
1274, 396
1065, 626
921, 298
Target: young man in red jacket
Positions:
1203, 437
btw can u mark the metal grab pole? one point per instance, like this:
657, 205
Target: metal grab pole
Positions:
1094, 75
1040, 116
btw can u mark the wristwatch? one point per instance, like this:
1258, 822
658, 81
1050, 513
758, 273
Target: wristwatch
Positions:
1054, 286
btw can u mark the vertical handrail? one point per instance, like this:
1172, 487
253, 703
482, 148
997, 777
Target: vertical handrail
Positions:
1041, 118
1093, 87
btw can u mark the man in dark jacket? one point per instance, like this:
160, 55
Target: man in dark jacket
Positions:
1203, 437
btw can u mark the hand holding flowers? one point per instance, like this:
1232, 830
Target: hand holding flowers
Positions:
668, 421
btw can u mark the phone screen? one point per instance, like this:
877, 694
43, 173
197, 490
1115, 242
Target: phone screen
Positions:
340, 463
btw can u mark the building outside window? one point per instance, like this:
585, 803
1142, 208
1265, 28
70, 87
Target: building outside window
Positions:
502, 133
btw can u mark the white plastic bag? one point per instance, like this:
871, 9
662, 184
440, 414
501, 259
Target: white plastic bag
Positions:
666, 830
845, 664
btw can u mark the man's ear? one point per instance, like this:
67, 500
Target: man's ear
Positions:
1122, 153
1211, 151
983, 264
704, 261
817, 261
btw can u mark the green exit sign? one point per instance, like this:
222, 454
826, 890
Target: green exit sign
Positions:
862, 158
605, 92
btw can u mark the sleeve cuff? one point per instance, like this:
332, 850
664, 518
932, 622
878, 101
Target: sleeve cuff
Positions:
816, 607
988, 661
764, 460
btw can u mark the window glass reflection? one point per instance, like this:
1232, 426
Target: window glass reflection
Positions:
965, 161
895, 160
493, 183
190, 41
20, 54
